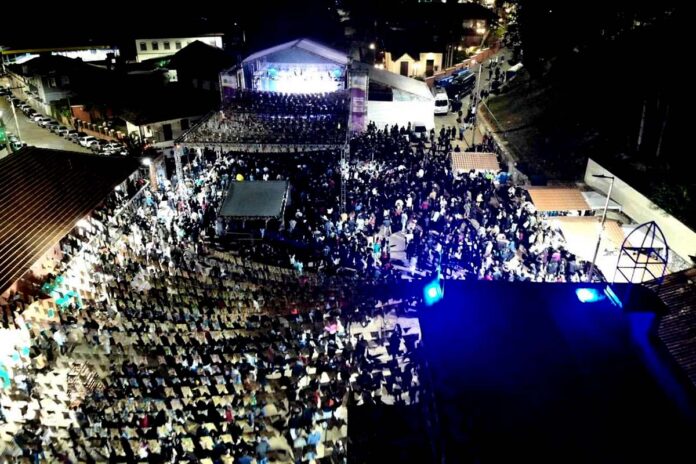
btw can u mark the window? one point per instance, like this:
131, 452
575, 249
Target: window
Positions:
166, 45
177, 45
143, 46
184, 124
155, 46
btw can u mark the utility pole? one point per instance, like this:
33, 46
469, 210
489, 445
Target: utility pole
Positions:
642, 126
601, 229
662, 132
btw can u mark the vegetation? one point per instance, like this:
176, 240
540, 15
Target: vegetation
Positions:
600, 83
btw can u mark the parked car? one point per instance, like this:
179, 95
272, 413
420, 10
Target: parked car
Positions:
62, 131
57, 128
418, 132
70, 133
43, 121
87, 140
77, 136
98, 145
52, 126
30, 113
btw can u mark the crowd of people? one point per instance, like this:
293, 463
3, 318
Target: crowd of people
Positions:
252, 353
251, 116
297, 104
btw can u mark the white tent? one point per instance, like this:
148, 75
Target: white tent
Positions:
412, 101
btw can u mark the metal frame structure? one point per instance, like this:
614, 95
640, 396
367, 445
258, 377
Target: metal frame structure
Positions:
653, 249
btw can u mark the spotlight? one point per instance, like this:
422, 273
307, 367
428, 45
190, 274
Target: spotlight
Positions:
588, 295
432, 293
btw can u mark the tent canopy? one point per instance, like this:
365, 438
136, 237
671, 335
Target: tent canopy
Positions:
597, 200
401, 83
465, 162
558, 199
255, 200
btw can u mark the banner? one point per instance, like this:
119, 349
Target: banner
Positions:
358, 101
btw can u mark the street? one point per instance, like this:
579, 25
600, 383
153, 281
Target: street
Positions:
450, 119
31, 133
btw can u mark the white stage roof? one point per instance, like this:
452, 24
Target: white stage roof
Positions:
306, 45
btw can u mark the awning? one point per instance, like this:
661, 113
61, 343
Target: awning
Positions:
581, 234
558, 199
465, 162
596, 201
255, 200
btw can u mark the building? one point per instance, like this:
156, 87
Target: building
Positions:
411, 54
163, 115
160, 47
48, 194
413, 64
198, 66
86, 53
44, 80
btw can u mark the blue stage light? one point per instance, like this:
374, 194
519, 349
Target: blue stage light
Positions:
588, 295
432, 293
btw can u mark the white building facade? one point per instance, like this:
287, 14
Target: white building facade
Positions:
147, 49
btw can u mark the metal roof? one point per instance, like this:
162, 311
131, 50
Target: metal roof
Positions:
308, 46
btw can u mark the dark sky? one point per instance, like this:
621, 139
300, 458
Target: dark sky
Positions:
265, 21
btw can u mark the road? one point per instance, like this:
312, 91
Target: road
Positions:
450, 119
32, 134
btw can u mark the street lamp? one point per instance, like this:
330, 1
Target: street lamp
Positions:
604, 219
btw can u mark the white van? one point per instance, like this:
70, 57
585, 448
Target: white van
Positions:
442, 103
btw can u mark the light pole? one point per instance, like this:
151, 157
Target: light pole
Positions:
604, 219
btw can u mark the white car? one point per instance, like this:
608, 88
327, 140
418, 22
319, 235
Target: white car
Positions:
442, 103
87, 141
62, 131
43, 121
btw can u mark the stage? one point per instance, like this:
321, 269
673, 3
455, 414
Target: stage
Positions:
528, 373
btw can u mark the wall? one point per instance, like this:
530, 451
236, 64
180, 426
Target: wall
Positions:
416, 65
638, 207
401, 113
155, 130
215, 41
480, 57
